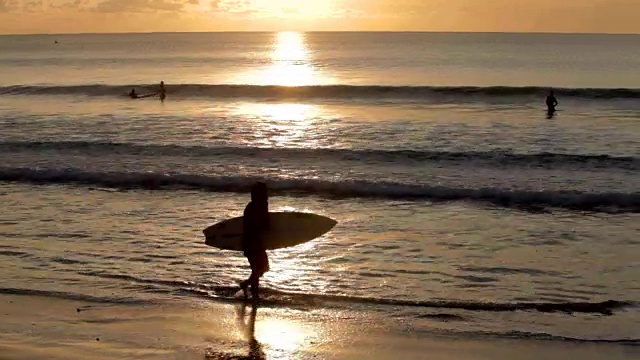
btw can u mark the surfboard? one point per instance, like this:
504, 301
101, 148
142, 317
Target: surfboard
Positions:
286, 229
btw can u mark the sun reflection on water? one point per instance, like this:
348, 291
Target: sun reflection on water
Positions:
283, 124
285, 112
288, 61
291, 65
290, 124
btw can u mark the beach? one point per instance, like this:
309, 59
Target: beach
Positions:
471, 223
35, 327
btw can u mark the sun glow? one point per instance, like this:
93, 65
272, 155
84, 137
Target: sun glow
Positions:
291, 65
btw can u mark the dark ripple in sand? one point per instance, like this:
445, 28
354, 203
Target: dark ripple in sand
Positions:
71, 296
62, 235
441, 317
19, 254
162, 256
67, 261
509, 270
477, 279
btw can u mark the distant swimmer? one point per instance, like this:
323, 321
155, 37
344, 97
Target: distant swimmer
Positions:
162, 91
132, 94
552, 102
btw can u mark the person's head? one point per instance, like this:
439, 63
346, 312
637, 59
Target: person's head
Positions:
161, 83
550, 92
259, 192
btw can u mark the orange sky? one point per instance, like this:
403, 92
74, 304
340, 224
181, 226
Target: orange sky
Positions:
77, 16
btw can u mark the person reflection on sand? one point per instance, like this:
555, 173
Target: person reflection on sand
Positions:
248, 329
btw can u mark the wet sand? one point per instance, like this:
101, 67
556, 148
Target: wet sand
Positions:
44, 327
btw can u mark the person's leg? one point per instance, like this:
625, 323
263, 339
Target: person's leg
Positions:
244, 285
259, 266
249, 281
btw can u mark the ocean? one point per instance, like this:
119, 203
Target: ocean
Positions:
463, 209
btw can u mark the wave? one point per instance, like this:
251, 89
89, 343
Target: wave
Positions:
497, 157
527, 200
72, 296
275, 297
377, 92
603, 307
541, 336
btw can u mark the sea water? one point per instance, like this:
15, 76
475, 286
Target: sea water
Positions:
463, 208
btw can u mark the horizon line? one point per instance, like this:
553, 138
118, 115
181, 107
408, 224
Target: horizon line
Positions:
322, 31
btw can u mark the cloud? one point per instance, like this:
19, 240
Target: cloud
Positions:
285, 9
21, 6
419, 15
73, 4
236, 6
32, 6
117, 6
7, 5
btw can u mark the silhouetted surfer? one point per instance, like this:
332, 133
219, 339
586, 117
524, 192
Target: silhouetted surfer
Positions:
132, 94
255, 224
162, 91
552, 102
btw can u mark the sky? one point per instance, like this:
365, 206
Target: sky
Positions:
89, 16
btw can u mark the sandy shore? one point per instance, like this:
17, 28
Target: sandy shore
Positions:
52, 328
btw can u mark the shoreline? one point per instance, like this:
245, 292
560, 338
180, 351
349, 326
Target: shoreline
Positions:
35, 326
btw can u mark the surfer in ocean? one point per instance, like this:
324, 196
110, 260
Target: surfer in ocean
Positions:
132, 94
162, 91
255, 224
552, 102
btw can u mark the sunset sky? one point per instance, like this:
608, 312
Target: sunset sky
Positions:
77, 16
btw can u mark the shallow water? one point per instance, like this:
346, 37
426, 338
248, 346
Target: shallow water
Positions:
499, 269
461, 209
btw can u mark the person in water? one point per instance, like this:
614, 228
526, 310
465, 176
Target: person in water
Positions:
162, 91
552, 102
255, 224
133, 94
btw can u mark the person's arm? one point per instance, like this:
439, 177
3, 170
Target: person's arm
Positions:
247, 227
265, 218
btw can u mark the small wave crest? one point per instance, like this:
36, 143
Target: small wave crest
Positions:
603, 307
497, 157
572, 200
447, 93
542, 336
72, 296
223, 292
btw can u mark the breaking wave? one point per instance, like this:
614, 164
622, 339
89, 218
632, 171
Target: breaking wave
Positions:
616, 202
498, 157
339, 92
